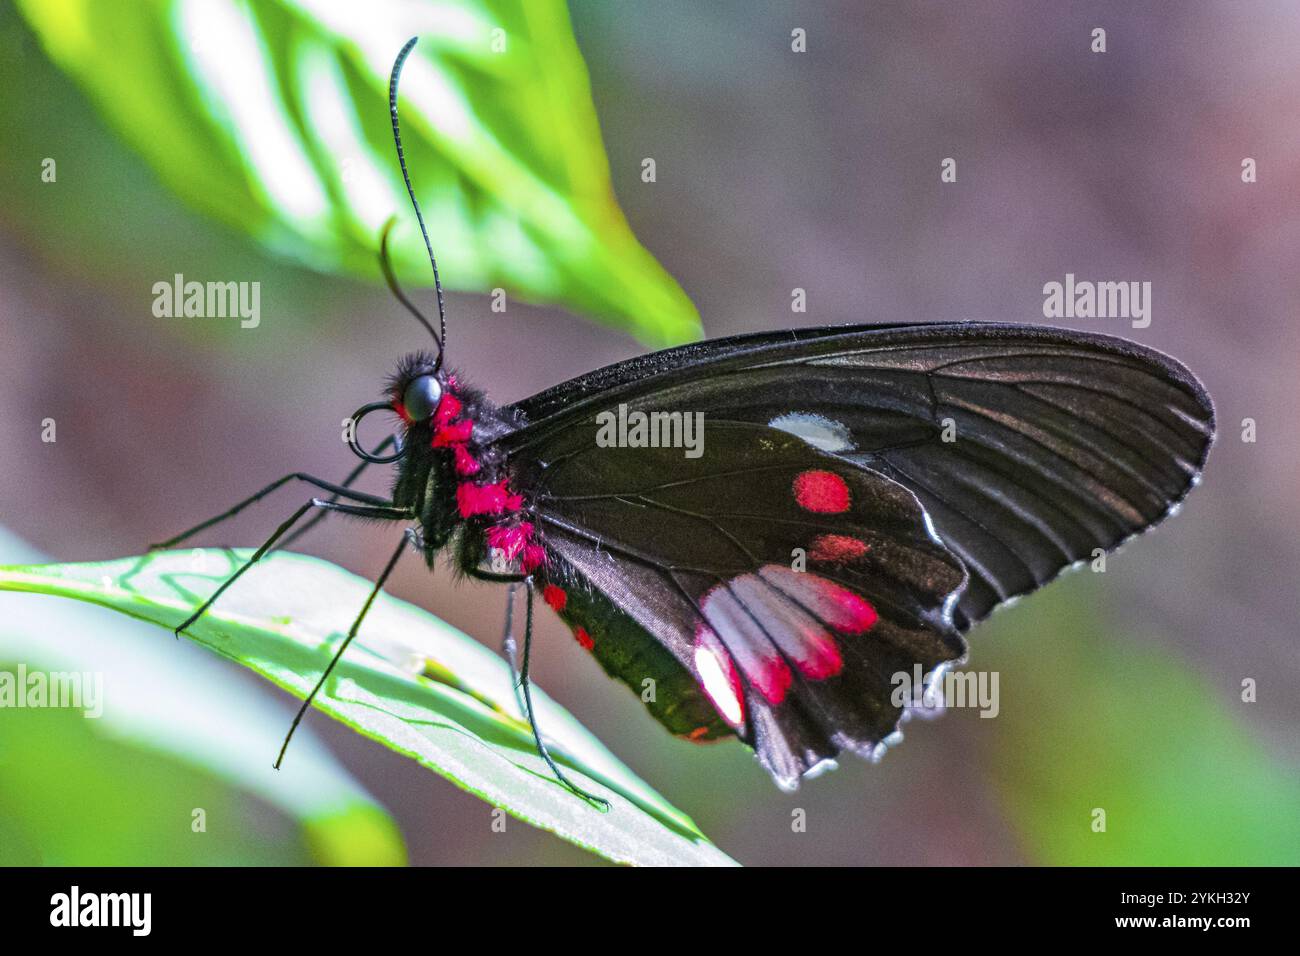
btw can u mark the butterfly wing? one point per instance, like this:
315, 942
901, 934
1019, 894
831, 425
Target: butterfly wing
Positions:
1029, 448
764, 588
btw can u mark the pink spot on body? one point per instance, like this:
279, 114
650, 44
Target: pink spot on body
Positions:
822, 492
837, 548
493, 499
448, 436
466, 464
449, 407
510, 540
533, 558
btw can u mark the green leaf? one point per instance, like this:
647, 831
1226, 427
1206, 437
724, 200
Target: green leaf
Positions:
1091, 721
409, 680
273, 117
160, 730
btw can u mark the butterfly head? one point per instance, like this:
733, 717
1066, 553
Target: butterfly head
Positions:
418, 389
420, 398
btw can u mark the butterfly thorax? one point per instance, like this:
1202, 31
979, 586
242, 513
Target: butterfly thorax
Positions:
456, 479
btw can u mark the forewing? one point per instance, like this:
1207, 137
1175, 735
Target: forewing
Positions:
1030, 448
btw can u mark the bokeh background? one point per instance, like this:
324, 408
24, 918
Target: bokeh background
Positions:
775, 170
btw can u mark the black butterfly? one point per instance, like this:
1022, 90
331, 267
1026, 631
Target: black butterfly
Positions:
861, 496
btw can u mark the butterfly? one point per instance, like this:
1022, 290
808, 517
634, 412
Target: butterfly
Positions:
765, 530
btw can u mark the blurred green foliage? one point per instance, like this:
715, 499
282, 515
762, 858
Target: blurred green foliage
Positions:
436, 695
1094, 718
272, 117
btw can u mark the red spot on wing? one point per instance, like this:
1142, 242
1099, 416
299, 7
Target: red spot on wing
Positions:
839, 607
838, 548
697, 733
583, 638
783, 625
555, 597
853, 615
772, 678
823, 492
821, 658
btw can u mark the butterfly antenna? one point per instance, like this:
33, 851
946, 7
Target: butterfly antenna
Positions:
391, 278
441, 336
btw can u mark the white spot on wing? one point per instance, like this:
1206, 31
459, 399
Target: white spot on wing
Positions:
717, 684
817, 430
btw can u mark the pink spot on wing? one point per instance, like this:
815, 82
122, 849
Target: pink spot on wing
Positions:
838, 548
772, 678
821, 658
839, 607
853, 615
736, 622
823, 492
800, 637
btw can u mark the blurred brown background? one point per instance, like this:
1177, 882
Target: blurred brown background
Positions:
775, 170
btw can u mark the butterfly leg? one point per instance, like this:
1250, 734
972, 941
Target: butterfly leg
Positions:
508, 646
353, 475
365, 511
407, 539
339, 491
600, 803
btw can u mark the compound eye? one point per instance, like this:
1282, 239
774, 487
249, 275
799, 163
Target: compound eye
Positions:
421, 398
